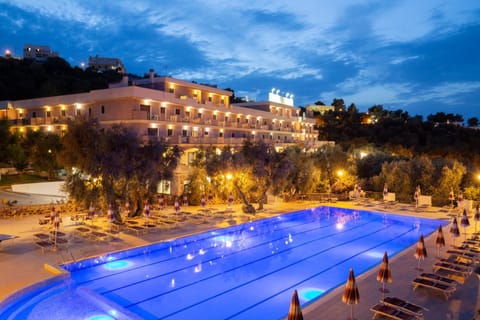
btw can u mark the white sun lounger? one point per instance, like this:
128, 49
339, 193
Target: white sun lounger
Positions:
404, 305
390, 312
437, 286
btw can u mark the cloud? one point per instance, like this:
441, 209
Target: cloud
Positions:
63, 10
400, 60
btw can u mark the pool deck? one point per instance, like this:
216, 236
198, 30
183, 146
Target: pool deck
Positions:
22, 262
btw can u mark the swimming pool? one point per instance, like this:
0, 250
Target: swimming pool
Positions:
247, 271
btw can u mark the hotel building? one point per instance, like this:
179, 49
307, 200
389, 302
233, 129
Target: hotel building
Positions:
186, 114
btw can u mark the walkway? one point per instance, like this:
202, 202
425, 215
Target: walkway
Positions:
22, 263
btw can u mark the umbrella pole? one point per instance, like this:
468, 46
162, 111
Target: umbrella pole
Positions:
351, 312
418, 266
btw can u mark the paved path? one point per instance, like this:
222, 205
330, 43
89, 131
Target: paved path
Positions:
22, 264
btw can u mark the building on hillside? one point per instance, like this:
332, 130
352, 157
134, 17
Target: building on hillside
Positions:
183, 113
101, 64
314, 109
38, 52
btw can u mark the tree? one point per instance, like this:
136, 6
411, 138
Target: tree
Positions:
112, 165
473, 122
42, 149
339, 105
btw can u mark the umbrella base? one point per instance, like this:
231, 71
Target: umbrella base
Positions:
383, 290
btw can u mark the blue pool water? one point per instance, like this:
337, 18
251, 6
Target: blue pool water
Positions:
247, 271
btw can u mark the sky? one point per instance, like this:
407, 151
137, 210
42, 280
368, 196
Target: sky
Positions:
422, 57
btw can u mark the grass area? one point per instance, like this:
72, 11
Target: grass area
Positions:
7, 180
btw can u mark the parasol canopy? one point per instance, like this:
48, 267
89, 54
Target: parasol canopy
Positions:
351, 295
454, 229
295, 312
439, 240
384, 273
421, 251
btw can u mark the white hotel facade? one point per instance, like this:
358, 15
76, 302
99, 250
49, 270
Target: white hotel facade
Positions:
184, 113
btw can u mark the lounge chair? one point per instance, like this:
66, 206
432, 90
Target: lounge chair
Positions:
438, 277
136, 229
446, 290
453, 260
96, 235
464, 271
45, 244
463, 253
385, 311
404, 305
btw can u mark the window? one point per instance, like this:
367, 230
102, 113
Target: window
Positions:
214, 117
233, 134
103, 109
49, 114
222, 101
191, 157
220, 134
34, 114
177, 111
226, 119
210, 98
152, 132
187, 114
163, 187
79, 113
184, 133
63, 113
238, 120
171, 90
206, 133
169, 132
89, 112
199, 115
162, 110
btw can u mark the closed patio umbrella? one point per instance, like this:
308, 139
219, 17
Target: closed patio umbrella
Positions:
384, 274
454, 230
295, 312
351, 295
451, 197
439, 240
91, 212
421, 252
464, 222
476, 217
146, 212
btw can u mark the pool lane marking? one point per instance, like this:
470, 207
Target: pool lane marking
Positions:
258, 260
314, 228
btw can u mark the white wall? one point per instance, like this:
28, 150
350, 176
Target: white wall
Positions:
54, 188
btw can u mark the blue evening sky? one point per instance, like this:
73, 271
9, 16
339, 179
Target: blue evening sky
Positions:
419, 56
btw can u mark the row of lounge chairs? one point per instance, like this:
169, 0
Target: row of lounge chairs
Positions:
447, 274
456, 268
398, 309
